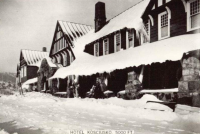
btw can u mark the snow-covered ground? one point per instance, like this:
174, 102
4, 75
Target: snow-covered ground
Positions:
55, 115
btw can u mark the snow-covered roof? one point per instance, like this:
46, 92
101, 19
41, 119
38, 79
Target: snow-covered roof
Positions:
74, 30
130, 18
49, 61
31, 81
160, 91
160, 51
32, 56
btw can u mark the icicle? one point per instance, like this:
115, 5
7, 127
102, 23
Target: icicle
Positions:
141, 74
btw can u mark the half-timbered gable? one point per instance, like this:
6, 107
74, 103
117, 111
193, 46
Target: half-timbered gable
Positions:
122, 32
63, 41
168, 18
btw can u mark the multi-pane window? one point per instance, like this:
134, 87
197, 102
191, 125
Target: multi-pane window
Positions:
96, 49
147, 26
195, 14
163, 25
106, 47
118, 42
130, 38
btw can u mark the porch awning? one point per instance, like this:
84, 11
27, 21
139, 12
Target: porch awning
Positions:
160, 51
31, 81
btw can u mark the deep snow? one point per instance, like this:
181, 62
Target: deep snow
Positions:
57, 115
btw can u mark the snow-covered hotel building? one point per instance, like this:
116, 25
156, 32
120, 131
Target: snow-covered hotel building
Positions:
27, 68
154, 33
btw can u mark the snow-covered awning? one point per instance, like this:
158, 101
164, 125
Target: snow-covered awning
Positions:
31, 81
160, 51
160, 91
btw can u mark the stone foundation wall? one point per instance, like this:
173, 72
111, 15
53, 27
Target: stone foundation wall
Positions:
189, 85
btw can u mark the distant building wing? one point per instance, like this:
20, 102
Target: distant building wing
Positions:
32, 56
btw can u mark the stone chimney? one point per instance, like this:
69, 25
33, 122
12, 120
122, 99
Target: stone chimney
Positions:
44, 49
100, 16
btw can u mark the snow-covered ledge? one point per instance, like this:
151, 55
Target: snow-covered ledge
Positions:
185, 5
152, 21
168, 11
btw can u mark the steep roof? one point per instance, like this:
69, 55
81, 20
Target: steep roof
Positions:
32, 56
71, 30
74, 30
130, 18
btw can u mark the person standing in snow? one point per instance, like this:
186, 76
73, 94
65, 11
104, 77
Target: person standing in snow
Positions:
97, 91
20, 88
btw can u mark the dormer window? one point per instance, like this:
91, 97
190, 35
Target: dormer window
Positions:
130, 38
117, 42
193, 15
163, 25
96, 49
106, 46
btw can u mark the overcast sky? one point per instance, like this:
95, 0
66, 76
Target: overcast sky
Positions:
30, 24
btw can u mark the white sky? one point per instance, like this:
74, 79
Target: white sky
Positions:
30, 24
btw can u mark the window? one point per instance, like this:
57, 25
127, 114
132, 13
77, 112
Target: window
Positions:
194, 14
59, 59
163, 23
118, 42
64, 59
64, 43
160, 2
106, 47
22, 71
25, 70
130, 38
147, 26
96, 49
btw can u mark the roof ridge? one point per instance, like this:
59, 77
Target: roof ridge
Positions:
126, 10
76, 23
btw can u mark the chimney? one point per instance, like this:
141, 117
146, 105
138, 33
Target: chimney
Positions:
44, 49
100, 16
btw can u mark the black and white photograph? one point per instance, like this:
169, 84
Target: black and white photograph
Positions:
100, 67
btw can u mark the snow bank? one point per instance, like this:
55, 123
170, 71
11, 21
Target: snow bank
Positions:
53, 114
3, 132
